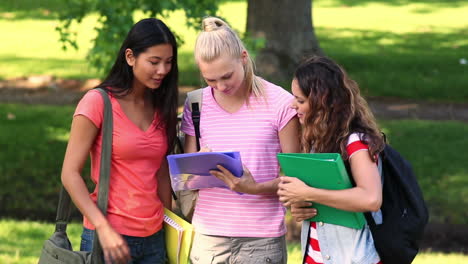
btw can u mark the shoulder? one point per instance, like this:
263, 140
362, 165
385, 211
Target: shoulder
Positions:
92, 96
355, 137
200, 95
355, 144
276, 95
91, 106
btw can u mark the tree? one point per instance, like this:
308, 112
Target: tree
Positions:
286, 26
115, 19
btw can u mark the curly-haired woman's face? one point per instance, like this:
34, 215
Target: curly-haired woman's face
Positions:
300, 102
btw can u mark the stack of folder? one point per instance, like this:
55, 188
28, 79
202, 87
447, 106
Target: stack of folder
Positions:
325, 171
179, 236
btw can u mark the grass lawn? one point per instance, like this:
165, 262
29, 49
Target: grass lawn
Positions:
22, 242
393, 48
33, 141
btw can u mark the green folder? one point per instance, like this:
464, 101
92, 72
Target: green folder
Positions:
325, 171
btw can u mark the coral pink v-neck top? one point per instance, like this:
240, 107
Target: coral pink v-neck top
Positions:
134, 207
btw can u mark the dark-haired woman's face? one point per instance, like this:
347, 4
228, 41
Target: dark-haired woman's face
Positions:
300, 102
151, 66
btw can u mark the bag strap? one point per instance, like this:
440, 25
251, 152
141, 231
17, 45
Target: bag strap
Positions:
195, 102
64, 205
104, 170
369, 215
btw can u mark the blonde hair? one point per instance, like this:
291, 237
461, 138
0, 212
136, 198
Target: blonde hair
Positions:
218, 38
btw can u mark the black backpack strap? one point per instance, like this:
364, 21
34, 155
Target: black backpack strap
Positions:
195, 103
196, 122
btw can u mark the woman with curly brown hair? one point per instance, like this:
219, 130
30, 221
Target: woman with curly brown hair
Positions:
335, 119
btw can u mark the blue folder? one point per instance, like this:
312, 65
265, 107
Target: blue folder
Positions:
191, 171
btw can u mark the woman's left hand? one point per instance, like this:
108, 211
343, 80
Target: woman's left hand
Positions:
292, 190
244, 184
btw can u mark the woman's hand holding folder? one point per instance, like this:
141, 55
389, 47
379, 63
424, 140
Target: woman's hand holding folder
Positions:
301, 211
292, 190
289, 191
244, 184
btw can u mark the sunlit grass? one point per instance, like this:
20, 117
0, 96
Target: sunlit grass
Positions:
424, 257
22, 242
408, 49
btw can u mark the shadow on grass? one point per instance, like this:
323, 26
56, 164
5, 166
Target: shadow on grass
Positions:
31, 9
436, 151
33, 142
64, 68
423, 65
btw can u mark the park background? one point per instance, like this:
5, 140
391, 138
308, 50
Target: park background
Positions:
397, 50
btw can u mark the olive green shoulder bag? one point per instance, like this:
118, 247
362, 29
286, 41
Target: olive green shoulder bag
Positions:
58, 249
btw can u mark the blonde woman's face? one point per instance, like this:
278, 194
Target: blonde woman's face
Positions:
300, 102
224, 74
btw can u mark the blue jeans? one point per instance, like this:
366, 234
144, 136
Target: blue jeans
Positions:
143, 250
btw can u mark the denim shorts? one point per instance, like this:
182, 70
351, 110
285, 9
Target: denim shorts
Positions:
143, 250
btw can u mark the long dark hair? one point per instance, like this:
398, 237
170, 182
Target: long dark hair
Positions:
143, 35
337, 109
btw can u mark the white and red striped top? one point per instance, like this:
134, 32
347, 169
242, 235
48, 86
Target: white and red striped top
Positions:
313, 254
253, 131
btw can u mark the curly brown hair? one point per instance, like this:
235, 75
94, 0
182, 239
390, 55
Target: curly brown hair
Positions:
337, 109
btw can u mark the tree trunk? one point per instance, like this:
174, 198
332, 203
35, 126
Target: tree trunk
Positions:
286, 26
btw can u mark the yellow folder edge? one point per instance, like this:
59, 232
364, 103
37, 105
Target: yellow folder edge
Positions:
179, 236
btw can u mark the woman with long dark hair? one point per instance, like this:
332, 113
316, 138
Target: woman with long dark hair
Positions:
335, 119
142, 87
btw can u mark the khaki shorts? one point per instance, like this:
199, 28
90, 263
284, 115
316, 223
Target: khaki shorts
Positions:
238, 250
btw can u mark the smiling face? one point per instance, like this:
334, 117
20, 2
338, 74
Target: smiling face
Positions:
224, 74
300, 102
151, 66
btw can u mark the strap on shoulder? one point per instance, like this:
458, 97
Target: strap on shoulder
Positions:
195, 96
195, 103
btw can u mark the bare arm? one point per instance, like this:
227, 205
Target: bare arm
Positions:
82, 135
290, 137
289, 141
164, 185
366, 196
190, 144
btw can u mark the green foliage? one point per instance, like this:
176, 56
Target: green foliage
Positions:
253, 44
115, 18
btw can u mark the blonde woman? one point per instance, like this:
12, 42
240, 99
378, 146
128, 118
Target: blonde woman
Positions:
245, 113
